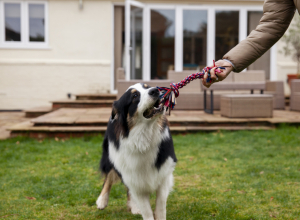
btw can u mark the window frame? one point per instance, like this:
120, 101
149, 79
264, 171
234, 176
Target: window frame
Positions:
24, 43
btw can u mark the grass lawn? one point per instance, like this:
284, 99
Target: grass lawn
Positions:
221, 175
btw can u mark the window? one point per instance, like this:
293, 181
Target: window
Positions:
36, 22
194, 39
264, 62
227, 32
186, 37
136, 42
12, 16
162, 42
24, 24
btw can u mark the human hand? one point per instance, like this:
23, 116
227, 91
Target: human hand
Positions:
220, 76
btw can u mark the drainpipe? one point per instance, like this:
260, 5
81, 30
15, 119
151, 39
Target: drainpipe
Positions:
80, 4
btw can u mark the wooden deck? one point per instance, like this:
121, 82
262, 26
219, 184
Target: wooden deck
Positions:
90, 121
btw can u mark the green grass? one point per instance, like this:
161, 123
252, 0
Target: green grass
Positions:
221, 175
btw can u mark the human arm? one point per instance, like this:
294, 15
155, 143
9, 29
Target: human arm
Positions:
275, 21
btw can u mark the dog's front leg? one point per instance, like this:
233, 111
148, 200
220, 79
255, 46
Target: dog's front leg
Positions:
131, 204
143, 203
110, 179
162, 194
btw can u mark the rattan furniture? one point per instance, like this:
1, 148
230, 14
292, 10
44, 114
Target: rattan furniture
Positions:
251, 86
247, 106
295, 95
236, 83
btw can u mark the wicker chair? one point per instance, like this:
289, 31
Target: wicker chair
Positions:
295, 95
274, 88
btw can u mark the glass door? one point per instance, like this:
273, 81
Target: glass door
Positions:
162, 42
159, 38
227, 32
134, 39
194, 39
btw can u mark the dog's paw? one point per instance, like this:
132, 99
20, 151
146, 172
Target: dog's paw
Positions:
135, 210
159, 216
102, 201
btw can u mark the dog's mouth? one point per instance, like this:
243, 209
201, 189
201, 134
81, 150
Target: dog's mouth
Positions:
153, 110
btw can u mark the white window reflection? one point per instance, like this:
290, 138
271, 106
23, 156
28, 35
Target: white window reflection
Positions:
194, 39
36, 22
162, 42
12, 13
227, 32
264, 62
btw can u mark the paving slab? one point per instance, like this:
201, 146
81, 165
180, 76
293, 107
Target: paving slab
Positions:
37, 111
9, 119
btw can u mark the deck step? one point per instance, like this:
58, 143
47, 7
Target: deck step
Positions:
74, 117
62, 122
29, 130
38, 111
69, 103
99, 117
180, 129
67, 122
96, 97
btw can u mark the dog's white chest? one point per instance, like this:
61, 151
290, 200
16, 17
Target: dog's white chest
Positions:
135, 159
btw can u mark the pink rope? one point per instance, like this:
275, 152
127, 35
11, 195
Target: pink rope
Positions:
168, 95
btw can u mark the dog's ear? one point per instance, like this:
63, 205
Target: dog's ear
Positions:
120, 112
114, 111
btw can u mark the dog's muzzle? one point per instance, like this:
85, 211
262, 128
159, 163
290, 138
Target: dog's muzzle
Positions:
156, 108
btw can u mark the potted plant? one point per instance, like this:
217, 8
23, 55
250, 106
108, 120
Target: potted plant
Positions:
292, 45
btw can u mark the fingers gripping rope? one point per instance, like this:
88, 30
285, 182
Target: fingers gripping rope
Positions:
168, 95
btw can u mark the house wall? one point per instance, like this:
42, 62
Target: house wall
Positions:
79, 56
78, 59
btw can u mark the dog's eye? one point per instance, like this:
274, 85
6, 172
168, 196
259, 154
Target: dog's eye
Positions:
135, 95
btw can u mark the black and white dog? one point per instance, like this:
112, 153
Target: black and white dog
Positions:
138, 148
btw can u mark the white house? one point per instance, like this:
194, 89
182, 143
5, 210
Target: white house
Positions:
51, 48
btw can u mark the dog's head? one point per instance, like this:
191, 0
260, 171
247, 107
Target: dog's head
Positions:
140, 103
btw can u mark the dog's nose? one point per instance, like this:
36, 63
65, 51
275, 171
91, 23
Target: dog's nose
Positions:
154, 92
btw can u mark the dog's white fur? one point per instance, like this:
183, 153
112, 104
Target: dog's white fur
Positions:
135, 160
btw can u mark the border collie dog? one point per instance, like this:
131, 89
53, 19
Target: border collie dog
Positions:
138, 149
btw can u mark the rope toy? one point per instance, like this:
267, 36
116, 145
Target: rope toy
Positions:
168, 95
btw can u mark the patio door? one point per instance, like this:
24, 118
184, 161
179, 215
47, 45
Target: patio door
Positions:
134, 18
163, 37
